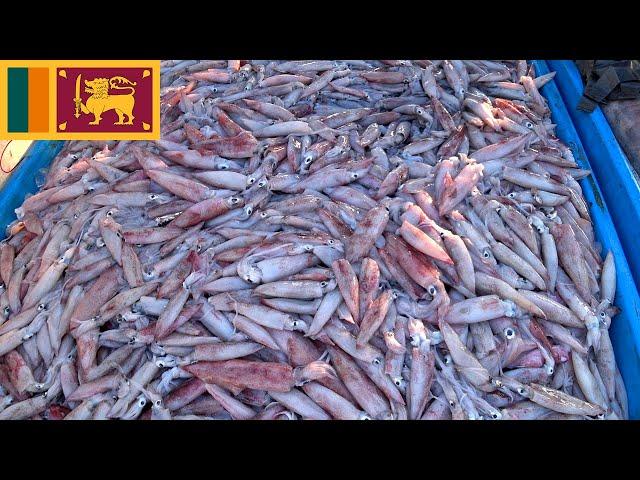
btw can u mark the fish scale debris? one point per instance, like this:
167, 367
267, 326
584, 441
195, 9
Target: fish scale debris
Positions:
394, 239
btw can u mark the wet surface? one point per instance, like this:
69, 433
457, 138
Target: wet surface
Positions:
623, 118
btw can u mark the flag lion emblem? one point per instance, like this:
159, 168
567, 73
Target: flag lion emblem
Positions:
101, 100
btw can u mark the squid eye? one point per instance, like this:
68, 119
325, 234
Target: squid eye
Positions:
262, 183
223, 166
308, 159
198, 248
452, 403
138, 245
75, 215
158, 403
248, 210
152, 196
521, 391
376, 361
603, 315
441, 234
251, 181
74, 157
528, 124
485, 254
509, 333
331, 241
142, 402
110, 213
419, 111
355, 175
6, 311
42, 307
294, 323
447, 359
512, 195
263, 214
119, 318
432, 290
234, 200
324, 284
397, 382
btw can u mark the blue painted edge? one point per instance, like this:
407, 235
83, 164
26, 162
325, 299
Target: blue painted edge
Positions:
620, 183
625, 327
22, 180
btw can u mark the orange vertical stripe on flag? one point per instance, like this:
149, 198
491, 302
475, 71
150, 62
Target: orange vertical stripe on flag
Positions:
38, 100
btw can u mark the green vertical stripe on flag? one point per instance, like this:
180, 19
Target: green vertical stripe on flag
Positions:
18, 101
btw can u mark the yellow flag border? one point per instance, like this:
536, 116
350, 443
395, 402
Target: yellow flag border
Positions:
53, 134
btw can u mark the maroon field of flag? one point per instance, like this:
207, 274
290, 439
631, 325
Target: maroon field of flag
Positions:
104, 100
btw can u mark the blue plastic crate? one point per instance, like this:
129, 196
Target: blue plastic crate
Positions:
625, 327
620, 191
22, 180
619, 181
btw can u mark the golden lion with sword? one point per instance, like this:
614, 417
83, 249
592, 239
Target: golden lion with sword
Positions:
100, 101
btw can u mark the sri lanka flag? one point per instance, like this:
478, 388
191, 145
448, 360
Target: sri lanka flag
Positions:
80, 99
28, 99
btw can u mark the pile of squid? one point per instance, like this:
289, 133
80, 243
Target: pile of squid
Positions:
396, 239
